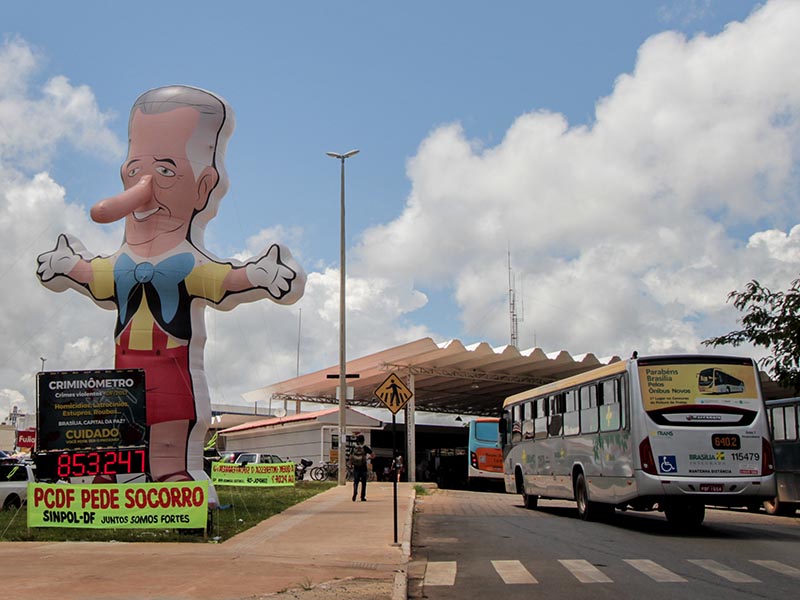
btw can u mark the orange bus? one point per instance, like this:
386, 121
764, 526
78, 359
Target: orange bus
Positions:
484, 452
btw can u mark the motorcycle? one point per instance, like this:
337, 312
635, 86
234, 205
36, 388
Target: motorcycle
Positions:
300, 469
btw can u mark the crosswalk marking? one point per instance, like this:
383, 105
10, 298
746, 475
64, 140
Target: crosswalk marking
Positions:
512, 572
585, 572
655, 571
440, 573
778, 567
724, 572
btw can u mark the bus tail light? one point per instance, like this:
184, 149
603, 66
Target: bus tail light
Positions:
646, 457
767, 458
473, 459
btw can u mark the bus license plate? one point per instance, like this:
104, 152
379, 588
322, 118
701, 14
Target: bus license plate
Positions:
726, 441
710, 487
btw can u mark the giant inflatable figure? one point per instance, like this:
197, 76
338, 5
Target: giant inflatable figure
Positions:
162, 278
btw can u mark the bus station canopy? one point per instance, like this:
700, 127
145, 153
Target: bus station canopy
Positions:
448, 377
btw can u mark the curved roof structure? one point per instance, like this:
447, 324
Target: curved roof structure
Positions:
449, 377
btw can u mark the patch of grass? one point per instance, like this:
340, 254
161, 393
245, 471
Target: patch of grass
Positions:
307, 585
240, 509
421, 490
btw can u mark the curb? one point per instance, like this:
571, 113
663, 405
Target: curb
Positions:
400, 587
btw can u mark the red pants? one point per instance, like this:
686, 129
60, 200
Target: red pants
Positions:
169, 394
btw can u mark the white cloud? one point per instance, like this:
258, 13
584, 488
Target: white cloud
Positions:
774, 245
34, 123
257, 344
629, 232
33, 210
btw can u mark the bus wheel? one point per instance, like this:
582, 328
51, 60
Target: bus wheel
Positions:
778, 508
588, 510
528, 500
685, 515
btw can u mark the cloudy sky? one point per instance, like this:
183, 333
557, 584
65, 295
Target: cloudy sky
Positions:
638, 160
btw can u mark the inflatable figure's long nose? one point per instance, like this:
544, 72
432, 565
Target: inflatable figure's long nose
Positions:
119, 206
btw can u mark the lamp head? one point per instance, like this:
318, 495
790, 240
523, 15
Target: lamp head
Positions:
343, 156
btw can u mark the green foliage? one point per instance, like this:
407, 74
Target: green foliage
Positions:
771, 320
421, 490
240, 509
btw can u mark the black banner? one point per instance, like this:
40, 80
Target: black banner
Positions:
90, 409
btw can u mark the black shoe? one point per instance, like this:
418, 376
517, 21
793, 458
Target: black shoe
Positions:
354, 498
363, 499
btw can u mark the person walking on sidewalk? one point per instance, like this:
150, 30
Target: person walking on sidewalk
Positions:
358, 460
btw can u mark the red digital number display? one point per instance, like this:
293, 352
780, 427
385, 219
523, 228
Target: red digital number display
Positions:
100, 462
726, 441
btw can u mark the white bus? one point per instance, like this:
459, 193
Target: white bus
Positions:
639, 434
784, 418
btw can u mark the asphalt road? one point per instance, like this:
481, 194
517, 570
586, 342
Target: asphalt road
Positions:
480, 545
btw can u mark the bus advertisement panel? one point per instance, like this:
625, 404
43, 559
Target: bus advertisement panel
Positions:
666, 386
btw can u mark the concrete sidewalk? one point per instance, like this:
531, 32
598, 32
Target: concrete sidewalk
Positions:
325, 539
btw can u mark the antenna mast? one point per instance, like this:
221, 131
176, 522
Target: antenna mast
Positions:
512, 305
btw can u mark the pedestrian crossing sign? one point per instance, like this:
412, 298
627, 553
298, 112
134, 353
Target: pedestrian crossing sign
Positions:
393, 393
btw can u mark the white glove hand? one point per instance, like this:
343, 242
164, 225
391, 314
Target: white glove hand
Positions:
59, 261
271, 274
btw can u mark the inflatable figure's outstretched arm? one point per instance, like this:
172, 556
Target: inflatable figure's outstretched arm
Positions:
65, 260
276, 272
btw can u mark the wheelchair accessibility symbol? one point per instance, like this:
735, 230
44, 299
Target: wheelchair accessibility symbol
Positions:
667, 464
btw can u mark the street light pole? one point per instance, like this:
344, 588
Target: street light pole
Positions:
342, 352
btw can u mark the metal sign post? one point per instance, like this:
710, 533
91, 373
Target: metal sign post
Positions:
394, 472
394, 394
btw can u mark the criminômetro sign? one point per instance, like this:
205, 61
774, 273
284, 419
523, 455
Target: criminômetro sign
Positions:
91, 409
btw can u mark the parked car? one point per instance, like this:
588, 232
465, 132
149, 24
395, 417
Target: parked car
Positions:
246, 458
228, 457
14, 480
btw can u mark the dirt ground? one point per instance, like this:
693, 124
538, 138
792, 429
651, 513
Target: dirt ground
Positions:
344, 589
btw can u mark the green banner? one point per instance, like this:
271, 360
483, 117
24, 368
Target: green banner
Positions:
178, 505
272, 474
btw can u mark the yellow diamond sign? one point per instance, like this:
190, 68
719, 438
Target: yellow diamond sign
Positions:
393, 393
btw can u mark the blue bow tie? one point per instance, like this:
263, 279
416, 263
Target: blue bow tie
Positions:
164, 277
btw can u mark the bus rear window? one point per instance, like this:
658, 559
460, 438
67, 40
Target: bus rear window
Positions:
486, 431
